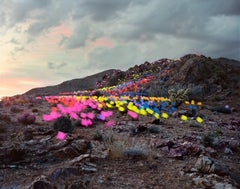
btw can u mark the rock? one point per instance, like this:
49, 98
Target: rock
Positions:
197, 90
208, 165
234, 145
80, 145
63, 173
65, 153
177, 153
40, 183
28, 133
221, 109
98, 150
76, 148
60, 144
203, 182
89, 167
13, 153
211, 151
79, 159
223, 186
194, 124
168, 143
228, 151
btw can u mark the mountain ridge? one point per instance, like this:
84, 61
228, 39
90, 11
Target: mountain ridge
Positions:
202, 75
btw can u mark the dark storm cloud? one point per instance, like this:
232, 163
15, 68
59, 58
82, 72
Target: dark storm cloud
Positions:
183, 18
21, 10
99, 10
213, 25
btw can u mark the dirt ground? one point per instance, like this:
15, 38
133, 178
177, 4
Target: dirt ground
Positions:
126, 155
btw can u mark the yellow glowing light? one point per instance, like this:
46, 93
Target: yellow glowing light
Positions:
184, 118
165, 115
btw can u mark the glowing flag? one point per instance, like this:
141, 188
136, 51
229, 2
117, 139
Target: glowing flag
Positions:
132, 114
199, 119
73, 115
150, 111
121, 109
109, 123
165, 115
143, 112
83, 115
90, 115
184, 118
61, 135
156, 115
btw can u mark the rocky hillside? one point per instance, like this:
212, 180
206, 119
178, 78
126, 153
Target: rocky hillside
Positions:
71, 85
202, 75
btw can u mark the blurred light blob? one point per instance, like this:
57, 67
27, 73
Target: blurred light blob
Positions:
61, 135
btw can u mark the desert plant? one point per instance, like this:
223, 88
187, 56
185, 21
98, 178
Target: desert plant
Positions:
135, 152
208, 140
153, 129
98, 136
2, 128
15, 110
63, 124
179, 96
26, 119
5, 118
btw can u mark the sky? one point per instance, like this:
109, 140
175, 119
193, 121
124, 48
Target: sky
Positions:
46, 42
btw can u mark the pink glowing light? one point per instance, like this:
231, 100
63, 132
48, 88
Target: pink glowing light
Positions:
83, 115
86, 122
132, 114
51, 116
73, 115
109, 123
90, 115
61, 135
106, 113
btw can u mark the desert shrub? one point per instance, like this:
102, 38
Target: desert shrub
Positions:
129, 149
2, 128
5, 117
98, 136
179, 96
208, 140
15, 110
153, 129
135, 152
26, 119
63, 124
116, 149
35, 110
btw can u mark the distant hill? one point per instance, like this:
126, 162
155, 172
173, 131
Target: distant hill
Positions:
85, 83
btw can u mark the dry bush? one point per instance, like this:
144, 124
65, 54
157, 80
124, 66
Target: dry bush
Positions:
130, 148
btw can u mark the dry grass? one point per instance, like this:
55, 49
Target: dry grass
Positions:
129, 148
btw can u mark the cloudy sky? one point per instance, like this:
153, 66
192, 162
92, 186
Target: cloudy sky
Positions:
45, 42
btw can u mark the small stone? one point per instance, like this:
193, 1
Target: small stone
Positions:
42, 184
223, 186
65, 153
79, 159
208, 165
228, 151
194, 124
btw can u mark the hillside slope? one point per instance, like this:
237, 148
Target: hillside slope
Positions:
85, 83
